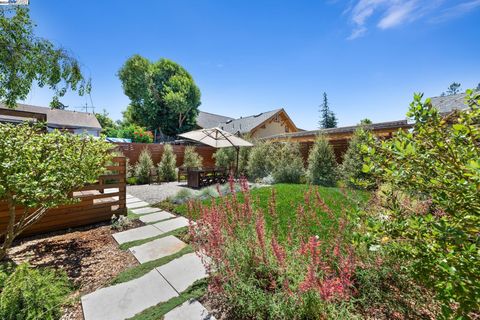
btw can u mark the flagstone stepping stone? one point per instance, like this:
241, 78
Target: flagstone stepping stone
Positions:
145, 210
158, 248
157, 216
172, 224
129, 196
183, 272
132, 200
137, 205
139, 233
124, 300
189, 310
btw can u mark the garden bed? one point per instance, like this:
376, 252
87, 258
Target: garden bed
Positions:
89, 255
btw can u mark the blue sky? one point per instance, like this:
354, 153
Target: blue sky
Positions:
252, 56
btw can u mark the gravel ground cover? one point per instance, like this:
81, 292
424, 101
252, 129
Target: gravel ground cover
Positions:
154, 193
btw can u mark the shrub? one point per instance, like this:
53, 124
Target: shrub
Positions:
351, 169
182, 196
322, 166
191, 159
225, 158
135, 133
260, 162
33, 294
262, 271
287, 163
144, 166
431, 216
40, 170
167, 166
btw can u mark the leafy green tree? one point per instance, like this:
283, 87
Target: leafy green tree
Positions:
322, 166
163, 95
351, 168
26, 59
453, 88
328, 118
191, 158
144, 166
39, 171
106, 122
166, 166
437, 164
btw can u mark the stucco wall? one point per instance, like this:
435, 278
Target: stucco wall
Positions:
270, 129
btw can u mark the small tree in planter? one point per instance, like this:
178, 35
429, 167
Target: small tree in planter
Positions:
322, 166
144, 166
191, 158
166, 167
39, 172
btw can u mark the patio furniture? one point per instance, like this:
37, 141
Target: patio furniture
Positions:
199, 178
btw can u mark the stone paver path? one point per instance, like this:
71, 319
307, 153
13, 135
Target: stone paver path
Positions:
190, 310
157, 249
184, 271
124, 300
157, 216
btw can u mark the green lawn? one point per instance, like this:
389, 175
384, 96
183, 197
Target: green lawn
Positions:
289, 196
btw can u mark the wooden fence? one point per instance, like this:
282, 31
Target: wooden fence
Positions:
96, 203
132, 152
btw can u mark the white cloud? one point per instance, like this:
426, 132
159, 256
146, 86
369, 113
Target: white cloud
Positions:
387, 14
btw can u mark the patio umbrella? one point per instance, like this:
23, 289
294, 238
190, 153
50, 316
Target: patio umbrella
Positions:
217, 138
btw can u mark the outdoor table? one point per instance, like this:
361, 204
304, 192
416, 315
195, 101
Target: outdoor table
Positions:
198, 178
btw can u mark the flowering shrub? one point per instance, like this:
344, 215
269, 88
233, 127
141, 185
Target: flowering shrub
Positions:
134, 132
262, 268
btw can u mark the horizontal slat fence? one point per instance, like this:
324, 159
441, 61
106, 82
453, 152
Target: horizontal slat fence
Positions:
96, 203
132, 152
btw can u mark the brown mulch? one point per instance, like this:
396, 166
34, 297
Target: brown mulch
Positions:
89, 255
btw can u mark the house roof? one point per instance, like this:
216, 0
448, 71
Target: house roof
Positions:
247, 124
207, 120
57, 118
373, 126
449, 103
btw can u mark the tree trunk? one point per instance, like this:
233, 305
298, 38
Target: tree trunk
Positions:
9, 235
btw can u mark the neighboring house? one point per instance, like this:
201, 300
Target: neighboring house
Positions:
446, 104
71, 121
256, 126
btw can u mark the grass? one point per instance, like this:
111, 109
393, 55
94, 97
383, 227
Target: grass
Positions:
140, 270
195, 291
180, 233
288, 197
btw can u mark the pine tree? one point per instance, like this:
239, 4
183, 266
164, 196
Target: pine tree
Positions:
453, 88
322, 166
352, 166
328, 118
166, 167
191, 159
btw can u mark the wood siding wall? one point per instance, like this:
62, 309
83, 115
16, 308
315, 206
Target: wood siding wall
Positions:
95, 204
132, 152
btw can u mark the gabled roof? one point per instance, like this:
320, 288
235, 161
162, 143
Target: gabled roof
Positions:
208, 120
449, 103
247, 124
57, 118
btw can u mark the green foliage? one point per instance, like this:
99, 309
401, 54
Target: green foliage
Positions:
191, 159
167, 166
144, 167
431, 212
183, 196
260, 162
131, 131
287, 163
107, 124
40, 170
225, 158
327, 117
453, 88
163, 95
26, 59
351, 168
32, 294
322, 166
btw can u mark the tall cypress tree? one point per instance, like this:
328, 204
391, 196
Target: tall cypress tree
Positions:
327, 117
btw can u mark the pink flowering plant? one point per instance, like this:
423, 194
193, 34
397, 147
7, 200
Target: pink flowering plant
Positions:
264, 267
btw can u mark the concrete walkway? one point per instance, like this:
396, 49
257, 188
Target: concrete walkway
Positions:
124, 300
